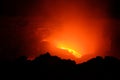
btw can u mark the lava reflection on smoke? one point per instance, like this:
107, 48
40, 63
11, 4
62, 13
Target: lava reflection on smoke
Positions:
76, 26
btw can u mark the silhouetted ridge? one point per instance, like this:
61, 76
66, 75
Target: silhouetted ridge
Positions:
51, 60
53, 68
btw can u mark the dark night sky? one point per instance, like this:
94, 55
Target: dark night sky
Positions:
14, 23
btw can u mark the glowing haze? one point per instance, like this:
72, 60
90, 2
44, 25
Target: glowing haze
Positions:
70, 29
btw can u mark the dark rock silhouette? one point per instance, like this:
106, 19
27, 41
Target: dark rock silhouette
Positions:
53, 68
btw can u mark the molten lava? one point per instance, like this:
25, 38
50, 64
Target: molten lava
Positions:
75, 53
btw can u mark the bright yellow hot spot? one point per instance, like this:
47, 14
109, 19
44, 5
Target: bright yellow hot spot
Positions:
75, 53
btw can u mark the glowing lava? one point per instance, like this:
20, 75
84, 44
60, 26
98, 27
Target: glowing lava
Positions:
75, 53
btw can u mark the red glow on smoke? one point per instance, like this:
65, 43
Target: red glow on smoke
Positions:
71, 29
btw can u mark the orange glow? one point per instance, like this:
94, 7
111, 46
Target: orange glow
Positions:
76, 26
